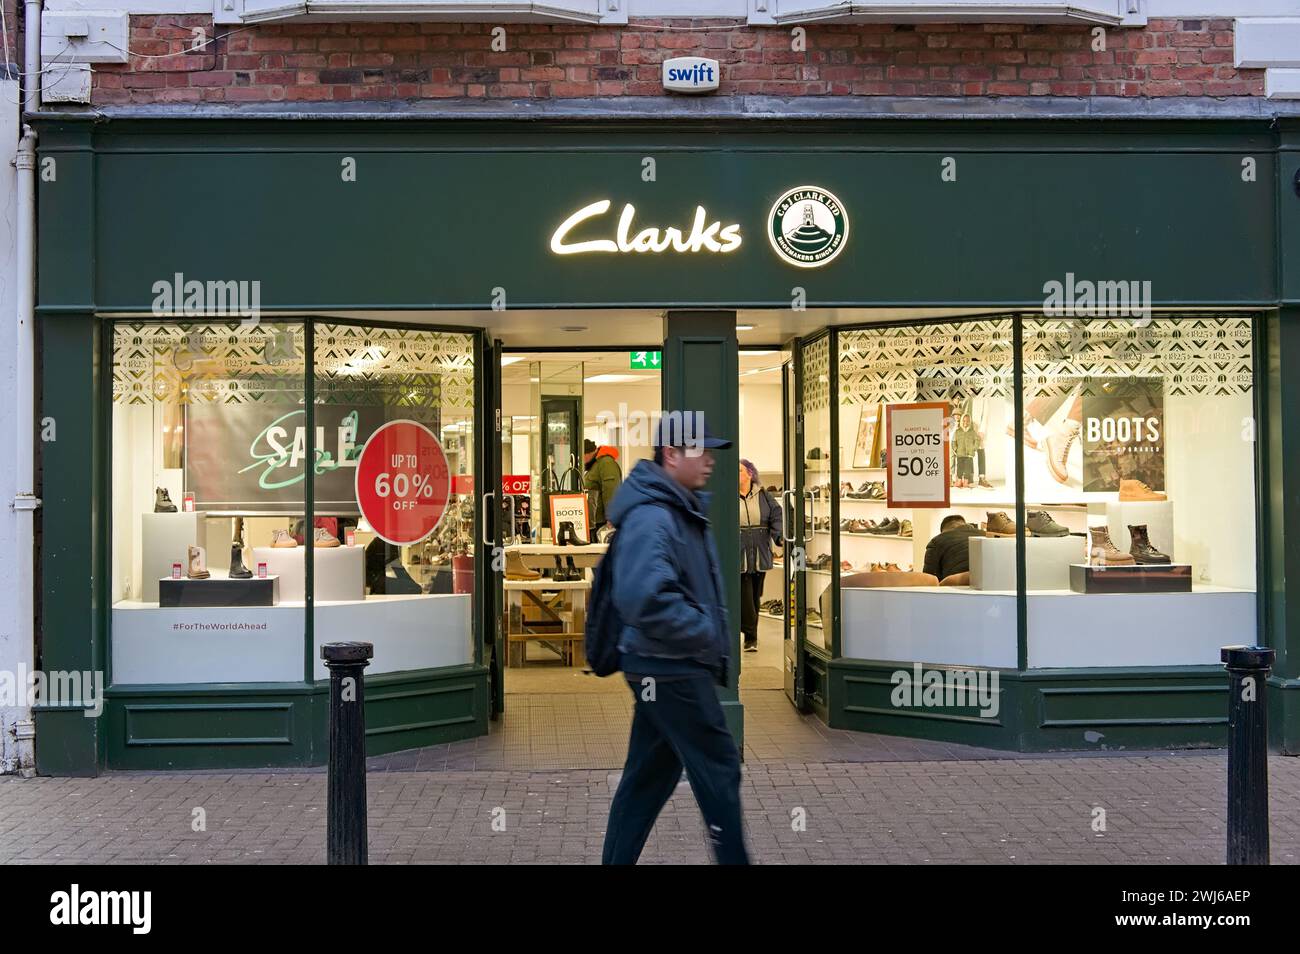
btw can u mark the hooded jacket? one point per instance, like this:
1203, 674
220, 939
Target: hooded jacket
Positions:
667, 581
601, 483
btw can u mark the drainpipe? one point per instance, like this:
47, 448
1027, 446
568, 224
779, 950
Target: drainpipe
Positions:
25, 500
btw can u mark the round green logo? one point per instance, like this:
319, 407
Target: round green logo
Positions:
807, 226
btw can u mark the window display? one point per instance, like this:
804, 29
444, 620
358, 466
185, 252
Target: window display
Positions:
215, 415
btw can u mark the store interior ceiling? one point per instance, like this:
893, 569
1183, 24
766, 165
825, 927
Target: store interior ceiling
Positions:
761, 365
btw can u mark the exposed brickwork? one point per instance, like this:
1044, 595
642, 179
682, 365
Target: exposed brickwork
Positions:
376, 61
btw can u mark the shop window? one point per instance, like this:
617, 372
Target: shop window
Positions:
818, 488
1145, 430
923, 579
209, 454
407, 585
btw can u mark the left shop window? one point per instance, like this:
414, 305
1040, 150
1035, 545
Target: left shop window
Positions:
209, 457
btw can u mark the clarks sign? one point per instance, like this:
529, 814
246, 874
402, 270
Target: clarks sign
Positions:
807, 227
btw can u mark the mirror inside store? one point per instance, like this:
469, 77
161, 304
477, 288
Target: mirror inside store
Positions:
574, 425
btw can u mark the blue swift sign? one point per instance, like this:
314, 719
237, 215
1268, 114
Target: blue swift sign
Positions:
691, 74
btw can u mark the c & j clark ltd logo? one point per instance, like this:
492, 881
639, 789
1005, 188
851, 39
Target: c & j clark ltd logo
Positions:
808, 227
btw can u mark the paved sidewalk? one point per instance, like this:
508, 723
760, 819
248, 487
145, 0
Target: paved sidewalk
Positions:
1158, 809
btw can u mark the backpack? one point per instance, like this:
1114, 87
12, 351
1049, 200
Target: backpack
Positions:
604, 623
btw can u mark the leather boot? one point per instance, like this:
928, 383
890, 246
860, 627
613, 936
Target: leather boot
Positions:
516, 570
1140, 546
999, 525
162, 501
237, 569
1137, 490
1102, 552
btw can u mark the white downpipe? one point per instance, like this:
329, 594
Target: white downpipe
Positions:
25, 501
32, 55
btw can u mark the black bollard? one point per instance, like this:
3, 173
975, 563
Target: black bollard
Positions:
346, 808
1248, 668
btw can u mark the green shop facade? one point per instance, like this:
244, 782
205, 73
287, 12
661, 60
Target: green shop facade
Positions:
1049, 281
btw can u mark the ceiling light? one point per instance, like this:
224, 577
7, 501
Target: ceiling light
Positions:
756, 354
744, 327
508, 360
611, 378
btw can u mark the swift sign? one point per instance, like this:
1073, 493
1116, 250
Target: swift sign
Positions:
691, 74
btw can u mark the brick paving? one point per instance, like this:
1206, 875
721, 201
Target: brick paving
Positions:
549, 768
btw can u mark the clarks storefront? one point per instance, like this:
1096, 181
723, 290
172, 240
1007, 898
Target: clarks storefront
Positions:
1103, 314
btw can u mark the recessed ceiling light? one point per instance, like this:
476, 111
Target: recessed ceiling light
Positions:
511, 359
612, 378
744, 327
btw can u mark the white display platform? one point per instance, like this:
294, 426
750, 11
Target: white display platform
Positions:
541, 556
936, 624
1158, 515
265, 644
165, 539
408, 632
1138, 629
1047, 562
340, 571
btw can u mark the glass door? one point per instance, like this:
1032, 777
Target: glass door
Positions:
495, 518
794, 548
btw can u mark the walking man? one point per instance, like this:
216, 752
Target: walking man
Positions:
674, 643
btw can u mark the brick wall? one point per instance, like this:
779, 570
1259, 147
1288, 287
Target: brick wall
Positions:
353, 61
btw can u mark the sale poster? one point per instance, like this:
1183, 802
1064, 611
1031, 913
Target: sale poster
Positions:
570, 508
917, 459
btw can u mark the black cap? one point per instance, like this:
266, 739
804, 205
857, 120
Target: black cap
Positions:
687, 429
588, 446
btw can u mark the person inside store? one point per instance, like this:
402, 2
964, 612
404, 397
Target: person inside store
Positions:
760, 531
948, 553
602, 479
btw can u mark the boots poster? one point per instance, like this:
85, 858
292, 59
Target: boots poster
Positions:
1123, 433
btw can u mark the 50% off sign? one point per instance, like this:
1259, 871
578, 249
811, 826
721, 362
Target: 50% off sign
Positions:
403, 482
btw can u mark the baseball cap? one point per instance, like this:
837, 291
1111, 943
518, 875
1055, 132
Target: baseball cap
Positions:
687, 429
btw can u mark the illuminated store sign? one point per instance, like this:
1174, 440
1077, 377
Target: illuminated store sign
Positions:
703, 236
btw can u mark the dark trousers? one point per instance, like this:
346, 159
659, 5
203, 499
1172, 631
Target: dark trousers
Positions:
751, 594
683, 726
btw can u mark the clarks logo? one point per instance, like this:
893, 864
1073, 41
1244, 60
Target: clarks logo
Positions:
703, 235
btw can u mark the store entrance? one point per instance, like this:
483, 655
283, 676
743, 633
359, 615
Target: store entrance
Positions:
573, 424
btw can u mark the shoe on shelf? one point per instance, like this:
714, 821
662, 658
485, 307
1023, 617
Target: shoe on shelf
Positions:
876, 491
1140, 547
1102, 552
887, 527
815, 454
323, 538
1039, 523
999, 525
237, 569
892, 568
846, 489
282, 539
516, 569
162, 501
905, 528
1057, 450
197, 563
1136, 490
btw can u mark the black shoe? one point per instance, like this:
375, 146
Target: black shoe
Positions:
237, 569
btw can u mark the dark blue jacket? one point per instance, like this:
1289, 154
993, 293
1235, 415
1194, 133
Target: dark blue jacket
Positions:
667, 583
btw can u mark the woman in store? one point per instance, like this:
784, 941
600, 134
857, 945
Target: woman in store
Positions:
760, 531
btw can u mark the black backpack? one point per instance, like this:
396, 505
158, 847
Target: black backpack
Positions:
604, 624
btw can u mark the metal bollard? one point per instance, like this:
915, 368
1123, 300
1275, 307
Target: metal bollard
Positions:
346, 808
1248, 668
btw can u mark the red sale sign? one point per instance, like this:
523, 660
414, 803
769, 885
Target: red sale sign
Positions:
403, 482
516, 483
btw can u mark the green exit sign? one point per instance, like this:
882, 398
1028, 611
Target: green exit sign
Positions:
645, 359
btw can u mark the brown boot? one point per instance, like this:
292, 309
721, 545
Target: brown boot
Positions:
1102, 552
1140, 546
1136, 490
999, 525
515, 568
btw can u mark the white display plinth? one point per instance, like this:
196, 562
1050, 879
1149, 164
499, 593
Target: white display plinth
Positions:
1047, 562
340, 571
1158, 515
408, 632
936, 624
165, 539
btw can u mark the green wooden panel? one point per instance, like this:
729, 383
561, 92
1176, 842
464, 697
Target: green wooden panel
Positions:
440, 222
407, 710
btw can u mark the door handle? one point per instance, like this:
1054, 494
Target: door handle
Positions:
490, 495
811, 527
790, 515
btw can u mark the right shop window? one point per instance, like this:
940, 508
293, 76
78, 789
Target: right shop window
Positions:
1139, 488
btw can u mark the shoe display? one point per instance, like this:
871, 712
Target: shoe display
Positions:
237, 569
887, 527
197, 564
1136, 490
162, 501
1039, 523
515, 568
1140, 547
905, 528
846, 489
815, 454
323, 538
999, 525
1057, 449
1102, 552
281, 539
876, 490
